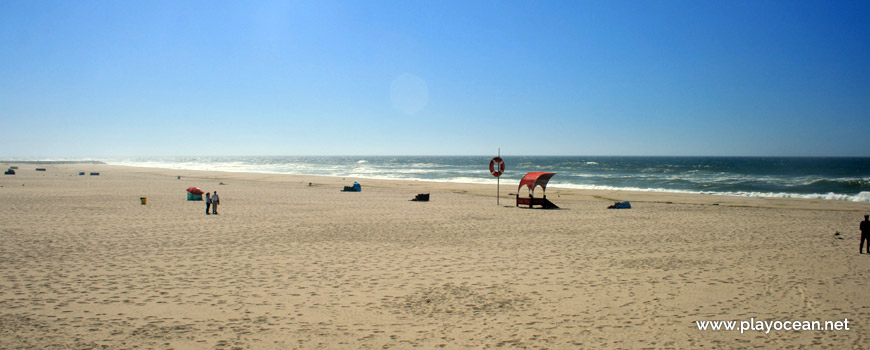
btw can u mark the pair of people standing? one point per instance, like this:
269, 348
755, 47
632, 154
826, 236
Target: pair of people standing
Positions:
212, 201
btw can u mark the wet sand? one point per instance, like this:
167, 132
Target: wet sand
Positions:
291, 265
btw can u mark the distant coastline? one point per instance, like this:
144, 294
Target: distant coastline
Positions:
41, 162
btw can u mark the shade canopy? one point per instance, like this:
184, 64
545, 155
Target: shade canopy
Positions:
535, 179
191, 190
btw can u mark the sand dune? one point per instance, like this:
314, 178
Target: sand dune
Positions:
291, 265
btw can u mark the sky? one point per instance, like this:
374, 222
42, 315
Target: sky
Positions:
85, 78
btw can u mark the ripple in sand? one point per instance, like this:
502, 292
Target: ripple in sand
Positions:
664, 263
163, 332
451, 299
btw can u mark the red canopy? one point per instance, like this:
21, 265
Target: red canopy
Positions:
535, 179
194, 190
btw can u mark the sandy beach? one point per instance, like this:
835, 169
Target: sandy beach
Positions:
292, 262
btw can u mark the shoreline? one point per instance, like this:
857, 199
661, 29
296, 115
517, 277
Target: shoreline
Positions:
862, 197
388, 173
508, 189
52, 162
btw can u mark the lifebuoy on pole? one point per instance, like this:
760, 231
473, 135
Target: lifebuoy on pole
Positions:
496, 166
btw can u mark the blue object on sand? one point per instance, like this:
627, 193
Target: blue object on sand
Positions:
355, 188
621, 205
95, 174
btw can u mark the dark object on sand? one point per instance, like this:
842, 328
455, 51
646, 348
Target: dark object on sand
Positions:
9, 172
81, 173
533, 180
40, 169
620, 205
422, 197
95, 174
355, 188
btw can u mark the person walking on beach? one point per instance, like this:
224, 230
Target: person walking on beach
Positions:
215, 200
207, 202
865, 234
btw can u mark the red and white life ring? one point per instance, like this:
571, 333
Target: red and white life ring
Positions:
496, 166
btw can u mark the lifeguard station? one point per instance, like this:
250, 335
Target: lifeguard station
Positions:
533, 180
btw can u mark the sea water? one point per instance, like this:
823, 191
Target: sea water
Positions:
845, 179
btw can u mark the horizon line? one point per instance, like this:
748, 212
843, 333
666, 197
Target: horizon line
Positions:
12, 159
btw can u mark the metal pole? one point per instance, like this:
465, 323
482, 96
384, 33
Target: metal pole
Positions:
498, 184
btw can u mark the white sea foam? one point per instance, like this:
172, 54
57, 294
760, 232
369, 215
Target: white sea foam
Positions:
860, 197
864, 196
424, 165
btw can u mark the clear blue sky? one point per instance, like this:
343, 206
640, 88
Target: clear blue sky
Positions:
153, 78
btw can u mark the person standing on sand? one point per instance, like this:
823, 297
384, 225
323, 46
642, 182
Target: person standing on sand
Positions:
215, 200
865, 234
207, 202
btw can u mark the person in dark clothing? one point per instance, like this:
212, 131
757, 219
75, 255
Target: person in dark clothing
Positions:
207, 202
865, 234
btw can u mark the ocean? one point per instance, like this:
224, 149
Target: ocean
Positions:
846, 179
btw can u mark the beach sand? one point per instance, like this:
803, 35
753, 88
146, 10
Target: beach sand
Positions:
287, 265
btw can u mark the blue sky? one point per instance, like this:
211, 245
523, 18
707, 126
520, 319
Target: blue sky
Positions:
154, 78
